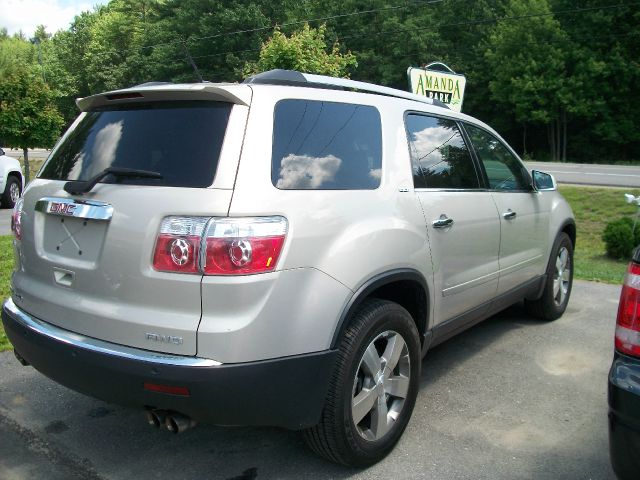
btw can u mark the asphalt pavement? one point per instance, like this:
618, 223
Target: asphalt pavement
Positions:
34, 153
589, 174
512, 398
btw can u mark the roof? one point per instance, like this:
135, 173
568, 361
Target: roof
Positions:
294, 78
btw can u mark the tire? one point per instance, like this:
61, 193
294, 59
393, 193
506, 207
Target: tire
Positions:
11, 192
557, 289
380, 330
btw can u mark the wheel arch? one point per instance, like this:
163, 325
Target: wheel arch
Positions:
407, 287
569, 227
18, 175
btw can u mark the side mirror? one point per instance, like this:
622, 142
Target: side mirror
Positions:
1, 152
543, 181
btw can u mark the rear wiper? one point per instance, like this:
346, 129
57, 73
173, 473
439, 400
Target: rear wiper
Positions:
80, 187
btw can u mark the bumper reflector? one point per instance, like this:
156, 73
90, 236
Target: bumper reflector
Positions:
170, 389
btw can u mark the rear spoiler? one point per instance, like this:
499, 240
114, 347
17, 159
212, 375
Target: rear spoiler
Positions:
233, 93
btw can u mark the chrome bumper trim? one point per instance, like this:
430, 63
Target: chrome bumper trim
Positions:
99, 346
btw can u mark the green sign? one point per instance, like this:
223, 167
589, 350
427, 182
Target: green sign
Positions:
443, 86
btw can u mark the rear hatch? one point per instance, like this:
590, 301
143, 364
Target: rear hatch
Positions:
85, 260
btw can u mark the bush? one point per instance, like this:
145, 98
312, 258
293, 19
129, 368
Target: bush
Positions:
620, 239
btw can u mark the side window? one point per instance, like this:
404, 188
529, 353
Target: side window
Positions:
439, 155
326, 146
503, 169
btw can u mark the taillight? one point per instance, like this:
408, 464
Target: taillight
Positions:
219, 246
628, 322
240, 246
178, 244
16, 219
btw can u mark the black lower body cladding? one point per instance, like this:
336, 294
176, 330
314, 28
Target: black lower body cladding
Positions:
624, 416
286, 392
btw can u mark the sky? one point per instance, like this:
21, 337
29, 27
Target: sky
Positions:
26, 15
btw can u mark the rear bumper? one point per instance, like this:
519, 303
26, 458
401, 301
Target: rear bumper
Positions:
624, 416
286, 392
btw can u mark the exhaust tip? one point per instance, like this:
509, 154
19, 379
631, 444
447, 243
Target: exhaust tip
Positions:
171, 425
178, 423
156, 418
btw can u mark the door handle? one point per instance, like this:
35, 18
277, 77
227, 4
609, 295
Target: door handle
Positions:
509, 215
442, 222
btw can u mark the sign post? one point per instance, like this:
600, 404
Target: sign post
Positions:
439, 82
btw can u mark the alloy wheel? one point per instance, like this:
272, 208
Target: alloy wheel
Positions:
381, 385
14, 192
562, 276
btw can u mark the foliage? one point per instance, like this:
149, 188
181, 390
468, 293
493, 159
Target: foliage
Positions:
620, 238
6, 267
15, 53
201, 28
555, 76
528, 73
530, 80
305, 51
28, 115
604, 67
593, 207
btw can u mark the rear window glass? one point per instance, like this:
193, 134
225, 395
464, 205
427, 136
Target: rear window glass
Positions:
326, 146
179, 140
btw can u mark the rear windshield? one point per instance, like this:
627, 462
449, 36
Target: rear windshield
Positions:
179, 140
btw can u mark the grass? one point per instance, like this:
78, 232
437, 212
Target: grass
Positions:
593, 208
6, 266
34, 166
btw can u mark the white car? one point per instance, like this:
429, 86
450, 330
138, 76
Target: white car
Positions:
280, 252
11, 180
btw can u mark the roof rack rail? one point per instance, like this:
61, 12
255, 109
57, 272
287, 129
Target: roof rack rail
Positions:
294, 78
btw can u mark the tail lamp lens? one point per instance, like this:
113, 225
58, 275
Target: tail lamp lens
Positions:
16, 219
232, 246
241, 246
627, 337
178, 244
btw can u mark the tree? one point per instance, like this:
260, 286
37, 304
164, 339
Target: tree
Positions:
549, 72
306, 51
604, 68
65, 62
114, 35
529, 75
219, 36
28, 116
15, 53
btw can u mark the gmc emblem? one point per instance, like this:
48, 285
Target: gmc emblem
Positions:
62, 208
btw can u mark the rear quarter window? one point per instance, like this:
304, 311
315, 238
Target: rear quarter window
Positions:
180, 140
321, 145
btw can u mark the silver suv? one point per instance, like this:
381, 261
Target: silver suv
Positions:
278, 252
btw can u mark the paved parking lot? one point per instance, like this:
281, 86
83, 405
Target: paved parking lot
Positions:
511, 398
5, 221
